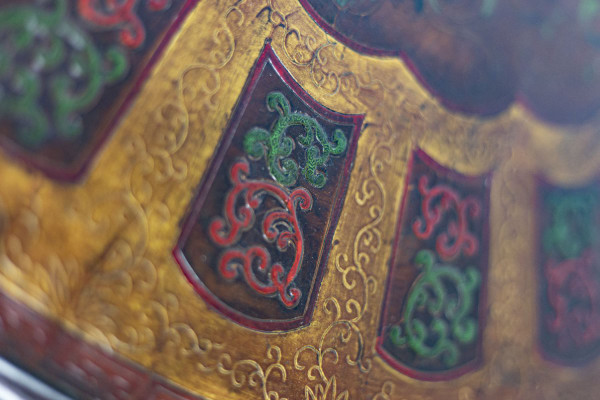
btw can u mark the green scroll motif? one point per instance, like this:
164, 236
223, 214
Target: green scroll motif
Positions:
436, 320
50, 71
572, 229
277, 147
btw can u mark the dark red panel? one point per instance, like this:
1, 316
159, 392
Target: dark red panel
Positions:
432, 317
258, 236
569, 272
68, 363
69, 69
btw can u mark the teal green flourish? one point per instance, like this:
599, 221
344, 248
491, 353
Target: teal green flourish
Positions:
573, 226
51, 72
435, 320
277, 147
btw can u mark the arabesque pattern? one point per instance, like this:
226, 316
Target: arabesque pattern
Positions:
45, 53
254, 245
276, 147
115, 286
449, 324
121, 15
68, 69
432, 320
279, 225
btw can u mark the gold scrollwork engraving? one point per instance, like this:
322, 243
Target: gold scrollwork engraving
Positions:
104, 267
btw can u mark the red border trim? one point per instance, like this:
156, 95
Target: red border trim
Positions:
268, 55
77, 171
478, 361
74, 367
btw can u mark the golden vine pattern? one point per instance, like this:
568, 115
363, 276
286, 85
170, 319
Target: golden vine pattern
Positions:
97, 295
353, 266
354, 275
117, 297
132, 274
123, 271
386, 392
306, 51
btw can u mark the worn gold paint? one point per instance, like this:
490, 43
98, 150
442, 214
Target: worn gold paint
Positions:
97, 255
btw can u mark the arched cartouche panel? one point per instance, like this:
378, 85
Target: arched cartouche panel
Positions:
70, 69
257, 239
433, 313
569, 272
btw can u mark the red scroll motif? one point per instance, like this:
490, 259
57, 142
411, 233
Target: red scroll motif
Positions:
120, 14
574, 295
457, 236
433, 315
279, 225
255, 244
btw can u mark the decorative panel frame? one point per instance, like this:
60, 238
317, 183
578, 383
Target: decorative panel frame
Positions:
97, 256
440, 253
82, 98
317, 256
568, 243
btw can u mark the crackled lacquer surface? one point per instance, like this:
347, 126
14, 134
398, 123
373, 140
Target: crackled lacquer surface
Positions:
495, 213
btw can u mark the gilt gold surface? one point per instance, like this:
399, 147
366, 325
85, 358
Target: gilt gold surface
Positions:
97, 255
